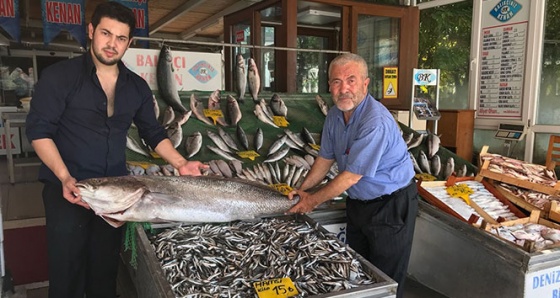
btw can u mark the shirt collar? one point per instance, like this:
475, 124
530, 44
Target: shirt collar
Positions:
90, 66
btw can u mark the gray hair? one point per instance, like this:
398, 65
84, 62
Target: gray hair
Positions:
347, 58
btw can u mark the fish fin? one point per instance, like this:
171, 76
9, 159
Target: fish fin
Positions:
114, 223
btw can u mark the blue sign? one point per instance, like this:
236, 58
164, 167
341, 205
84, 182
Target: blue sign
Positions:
9, 18
505, 10
425, 77
203, 71
64, 15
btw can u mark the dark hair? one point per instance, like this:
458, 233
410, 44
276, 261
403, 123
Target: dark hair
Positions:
115, 11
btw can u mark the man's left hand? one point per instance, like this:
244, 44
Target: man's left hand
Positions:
191, 168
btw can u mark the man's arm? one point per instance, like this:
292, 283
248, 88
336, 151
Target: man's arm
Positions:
339, 184
166, 150
318, 171
48, 153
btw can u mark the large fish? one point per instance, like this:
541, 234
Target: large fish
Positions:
433, 144
253, 80
180, 199
278, 106
214, 104
198, 109
240, 77
166, 82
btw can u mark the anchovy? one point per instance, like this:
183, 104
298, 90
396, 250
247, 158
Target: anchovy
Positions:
166, 82
180, 199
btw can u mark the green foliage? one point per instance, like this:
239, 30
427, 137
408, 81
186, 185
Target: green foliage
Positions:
445, 41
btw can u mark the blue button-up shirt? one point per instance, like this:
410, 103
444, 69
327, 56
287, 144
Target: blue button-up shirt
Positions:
370, 145
69, 106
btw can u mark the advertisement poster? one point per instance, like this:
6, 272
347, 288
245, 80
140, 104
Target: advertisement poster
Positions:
504, 43
192, 70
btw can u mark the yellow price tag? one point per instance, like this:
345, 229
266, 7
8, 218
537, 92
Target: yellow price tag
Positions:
248, 154
315, 146
214, 114
275, 288
154, 154
283, 188
142, 164
280, 121
425, 177
460, 190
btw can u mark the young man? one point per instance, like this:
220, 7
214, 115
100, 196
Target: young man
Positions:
375, 170
79, 118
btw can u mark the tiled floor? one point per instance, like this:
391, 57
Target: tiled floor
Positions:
22, 206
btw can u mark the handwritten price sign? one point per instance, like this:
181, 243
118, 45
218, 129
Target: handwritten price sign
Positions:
275, 288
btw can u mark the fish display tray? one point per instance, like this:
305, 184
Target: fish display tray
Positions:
550, 210
150, 281
485, 172
425, 189
528, 246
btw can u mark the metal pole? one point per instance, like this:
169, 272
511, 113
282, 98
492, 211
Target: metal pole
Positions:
223, 44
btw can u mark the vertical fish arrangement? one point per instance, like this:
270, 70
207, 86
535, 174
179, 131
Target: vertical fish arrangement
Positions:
240, 78
166, 82
253, 80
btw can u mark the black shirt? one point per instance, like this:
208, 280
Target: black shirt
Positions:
70, 107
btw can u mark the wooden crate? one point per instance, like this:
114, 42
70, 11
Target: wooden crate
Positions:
424, 186
484, 172
529, 245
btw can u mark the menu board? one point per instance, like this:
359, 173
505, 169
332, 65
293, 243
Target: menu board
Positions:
502, 59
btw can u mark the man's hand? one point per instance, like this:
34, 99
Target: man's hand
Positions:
191, 168
306, 202
71, 193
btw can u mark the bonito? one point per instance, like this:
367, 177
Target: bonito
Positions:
180, 199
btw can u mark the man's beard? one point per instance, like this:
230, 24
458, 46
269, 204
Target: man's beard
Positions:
100, 58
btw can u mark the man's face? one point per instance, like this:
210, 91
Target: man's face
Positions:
347, 85
109, 40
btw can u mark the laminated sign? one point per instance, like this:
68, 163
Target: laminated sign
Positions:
390, 82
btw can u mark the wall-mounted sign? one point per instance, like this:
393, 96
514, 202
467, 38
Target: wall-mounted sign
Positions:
240, 36
192, 70
390, 82
425, 77
502, 58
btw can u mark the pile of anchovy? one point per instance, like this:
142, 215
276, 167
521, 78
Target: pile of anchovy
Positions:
224, 260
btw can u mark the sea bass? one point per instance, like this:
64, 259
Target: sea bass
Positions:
180, 199
166, 82
253, 80
240, 77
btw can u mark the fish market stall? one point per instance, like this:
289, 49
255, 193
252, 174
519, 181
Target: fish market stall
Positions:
458, 259
227, 259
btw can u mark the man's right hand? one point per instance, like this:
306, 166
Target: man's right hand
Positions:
71, 193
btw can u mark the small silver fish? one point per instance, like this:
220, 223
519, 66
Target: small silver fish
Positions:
242, 137
258, 139
193, 143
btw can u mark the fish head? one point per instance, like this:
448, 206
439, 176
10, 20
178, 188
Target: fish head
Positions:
165, 53
111, 194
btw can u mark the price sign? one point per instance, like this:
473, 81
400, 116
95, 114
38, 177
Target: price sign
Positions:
248, 154
280, 121
214, 114
460, 190
276, 288
142, 164
283, 188
315, 146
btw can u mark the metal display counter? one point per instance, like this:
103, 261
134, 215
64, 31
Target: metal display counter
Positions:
459, 260
150, 282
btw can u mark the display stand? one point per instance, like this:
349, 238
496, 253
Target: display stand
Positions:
424, 107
